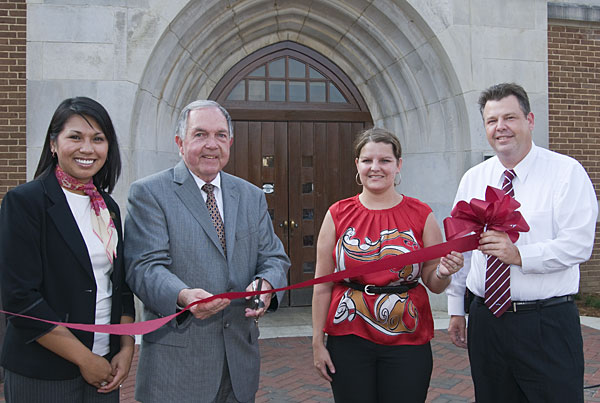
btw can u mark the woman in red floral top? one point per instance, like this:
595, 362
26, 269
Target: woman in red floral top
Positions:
379, 325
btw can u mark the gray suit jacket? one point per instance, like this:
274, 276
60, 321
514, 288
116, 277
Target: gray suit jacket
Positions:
171, 244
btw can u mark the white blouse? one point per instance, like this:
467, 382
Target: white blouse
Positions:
82, 209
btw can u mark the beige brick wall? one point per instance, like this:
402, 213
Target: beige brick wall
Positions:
12, 94
574, 110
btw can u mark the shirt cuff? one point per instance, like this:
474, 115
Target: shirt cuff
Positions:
456, 305
530, 264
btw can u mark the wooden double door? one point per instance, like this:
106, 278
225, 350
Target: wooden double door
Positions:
303, 167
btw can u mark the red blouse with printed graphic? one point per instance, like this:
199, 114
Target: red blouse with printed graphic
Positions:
365, 235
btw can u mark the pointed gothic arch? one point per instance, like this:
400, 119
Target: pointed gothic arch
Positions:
289, 81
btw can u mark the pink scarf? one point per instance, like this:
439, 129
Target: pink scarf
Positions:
102, 224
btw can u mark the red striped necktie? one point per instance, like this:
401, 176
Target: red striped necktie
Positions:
497, 274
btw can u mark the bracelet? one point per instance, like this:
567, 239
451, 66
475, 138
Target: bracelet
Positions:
439, 275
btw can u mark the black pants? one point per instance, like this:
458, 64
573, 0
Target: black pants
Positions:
530, 356
370, 372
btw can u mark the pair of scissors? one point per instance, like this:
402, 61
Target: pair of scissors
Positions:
257, 303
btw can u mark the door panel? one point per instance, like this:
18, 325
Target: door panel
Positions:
279, 201
295, 203
264, 132
309, 165
327, 175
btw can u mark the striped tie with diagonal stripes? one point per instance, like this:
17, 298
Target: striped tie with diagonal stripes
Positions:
497, 274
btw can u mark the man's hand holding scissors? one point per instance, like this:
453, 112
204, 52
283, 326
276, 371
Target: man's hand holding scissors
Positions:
258, 303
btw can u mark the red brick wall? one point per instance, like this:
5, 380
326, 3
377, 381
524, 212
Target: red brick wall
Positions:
12, 94
574, 110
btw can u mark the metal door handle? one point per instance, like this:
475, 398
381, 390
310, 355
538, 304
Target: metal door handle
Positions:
292, 226
284, 224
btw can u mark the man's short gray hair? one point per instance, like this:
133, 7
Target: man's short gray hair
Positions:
181, 128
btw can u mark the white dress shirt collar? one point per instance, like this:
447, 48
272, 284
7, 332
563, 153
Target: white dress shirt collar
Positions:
521, 170
216, 182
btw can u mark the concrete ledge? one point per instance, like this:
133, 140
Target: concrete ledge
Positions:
296, 322
590, 321
573, 12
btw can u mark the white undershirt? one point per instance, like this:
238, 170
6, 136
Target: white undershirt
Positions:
82, 209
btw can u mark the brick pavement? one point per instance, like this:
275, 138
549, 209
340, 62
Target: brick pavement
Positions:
287, 374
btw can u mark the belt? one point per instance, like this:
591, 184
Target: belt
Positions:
520, 306
371, 289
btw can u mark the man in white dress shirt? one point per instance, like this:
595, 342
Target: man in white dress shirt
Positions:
533, 352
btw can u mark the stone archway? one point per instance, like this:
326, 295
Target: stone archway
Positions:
388, 49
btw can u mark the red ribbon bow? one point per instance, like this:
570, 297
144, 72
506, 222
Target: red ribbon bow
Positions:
497, 212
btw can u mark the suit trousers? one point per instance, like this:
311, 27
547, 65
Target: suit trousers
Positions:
225, 393
528, 356
22, 389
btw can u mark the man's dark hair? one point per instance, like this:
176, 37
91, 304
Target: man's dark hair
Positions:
501, 91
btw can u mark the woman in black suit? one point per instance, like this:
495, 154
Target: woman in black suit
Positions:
61, 259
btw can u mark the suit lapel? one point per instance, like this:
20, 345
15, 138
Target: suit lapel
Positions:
65, 223
231, 200
189, 194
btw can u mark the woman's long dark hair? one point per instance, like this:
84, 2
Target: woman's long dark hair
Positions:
106, 178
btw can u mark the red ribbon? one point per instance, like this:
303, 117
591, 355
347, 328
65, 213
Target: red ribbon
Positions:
496, 212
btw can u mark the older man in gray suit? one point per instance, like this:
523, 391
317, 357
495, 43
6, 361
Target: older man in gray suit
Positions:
186, 241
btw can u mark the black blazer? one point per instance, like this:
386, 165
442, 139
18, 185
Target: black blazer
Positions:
45, 272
